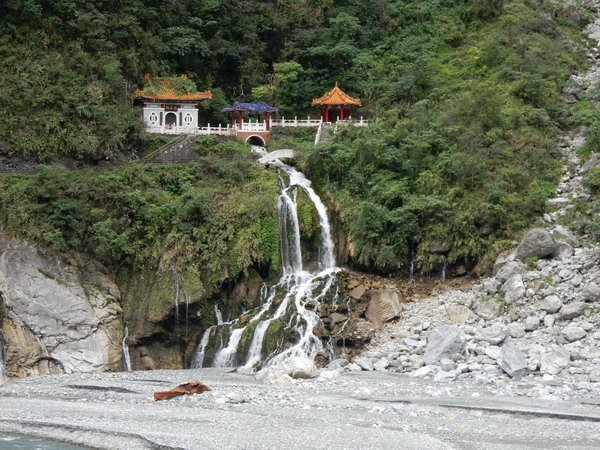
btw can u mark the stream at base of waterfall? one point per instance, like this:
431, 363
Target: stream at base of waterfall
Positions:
285, 323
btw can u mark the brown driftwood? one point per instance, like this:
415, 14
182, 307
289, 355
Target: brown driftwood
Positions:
195, 387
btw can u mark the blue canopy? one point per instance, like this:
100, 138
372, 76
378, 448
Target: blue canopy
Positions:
251, 107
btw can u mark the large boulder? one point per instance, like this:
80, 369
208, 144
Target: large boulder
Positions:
572, 310
488, 309
299, 367
509, 269
460, 314
551, 304
59, 317
383, 306
573, 333
274, 375
443, 342
496, 334
591, 292
563, 234
537, 242
554, 361
513, 289
512, 361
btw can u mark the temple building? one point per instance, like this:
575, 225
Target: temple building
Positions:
168, 110
336, 105
252, 131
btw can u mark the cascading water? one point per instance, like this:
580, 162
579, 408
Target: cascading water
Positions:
284, 325
218, 315
125, 348
2, 363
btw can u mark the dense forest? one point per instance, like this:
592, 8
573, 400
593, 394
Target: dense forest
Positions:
464, 97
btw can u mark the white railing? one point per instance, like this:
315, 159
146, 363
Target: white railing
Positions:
225, 130
308, 122
295, 122
251, 126
219, 130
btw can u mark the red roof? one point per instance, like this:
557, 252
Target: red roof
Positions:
336, 97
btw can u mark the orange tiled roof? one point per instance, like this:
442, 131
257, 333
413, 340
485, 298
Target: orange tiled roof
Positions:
336, 97
167, 92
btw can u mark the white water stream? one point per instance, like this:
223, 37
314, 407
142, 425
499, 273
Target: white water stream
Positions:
2, 362
299, 287
126, 357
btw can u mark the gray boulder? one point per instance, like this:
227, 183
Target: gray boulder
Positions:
573, 333
537, 242
509, 269
488, 309
299, 367
591, 292
554, 361
460, 314
572, 310
443, 342
516, 330
563, 234
273, 375
590, 164
512, 361
531, 323
551, 304
383, 306
363, 363
496, 334
513, 289
338, 363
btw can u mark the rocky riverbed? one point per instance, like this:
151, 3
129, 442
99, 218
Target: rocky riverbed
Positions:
336, 409
533, 329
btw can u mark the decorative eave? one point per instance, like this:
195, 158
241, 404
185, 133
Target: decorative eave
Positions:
336, 97
168, 93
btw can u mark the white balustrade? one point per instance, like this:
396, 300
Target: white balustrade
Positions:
252, 126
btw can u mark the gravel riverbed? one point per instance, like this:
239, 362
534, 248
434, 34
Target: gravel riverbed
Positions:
335, 410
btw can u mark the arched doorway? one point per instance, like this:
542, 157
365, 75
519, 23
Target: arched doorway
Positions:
255, 140
170, 120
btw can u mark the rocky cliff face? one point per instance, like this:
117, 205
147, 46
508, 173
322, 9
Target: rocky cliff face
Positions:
56, 316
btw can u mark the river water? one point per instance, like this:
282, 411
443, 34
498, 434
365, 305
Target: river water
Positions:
13, 442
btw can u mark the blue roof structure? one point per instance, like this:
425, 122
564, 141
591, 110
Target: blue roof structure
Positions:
251, 107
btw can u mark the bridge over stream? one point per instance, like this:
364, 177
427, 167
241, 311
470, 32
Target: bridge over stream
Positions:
277, 154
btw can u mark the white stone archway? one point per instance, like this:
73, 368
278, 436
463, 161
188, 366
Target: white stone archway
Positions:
170, 120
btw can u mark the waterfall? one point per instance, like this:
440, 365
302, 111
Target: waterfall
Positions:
411, 273
198, 358
126, 358
176, 276
218, 315
2, 360
226, 356
284, 323
444, 268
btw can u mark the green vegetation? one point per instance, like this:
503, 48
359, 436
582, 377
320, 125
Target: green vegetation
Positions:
459, 158
214, 217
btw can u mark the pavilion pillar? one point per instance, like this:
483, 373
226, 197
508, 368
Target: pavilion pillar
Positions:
267, 122
327, 115
232, 119
241, 119
341, 113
